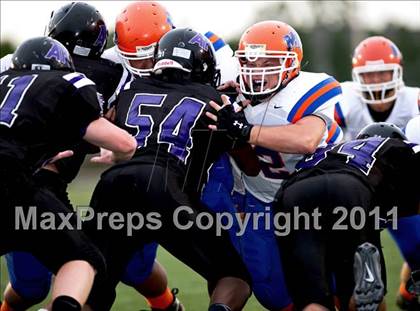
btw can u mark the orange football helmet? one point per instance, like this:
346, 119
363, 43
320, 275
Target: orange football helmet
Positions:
268, 39
138, 29
377, 54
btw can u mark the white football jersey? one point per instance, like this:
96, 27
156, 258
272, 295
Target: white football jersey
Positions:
227, 64
354, 115
412, 130
5, 62
112, 55
304, 95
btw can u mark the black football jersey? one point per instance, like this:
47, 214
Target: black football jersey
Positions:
44, 112
169, 123
388, 166
107, 76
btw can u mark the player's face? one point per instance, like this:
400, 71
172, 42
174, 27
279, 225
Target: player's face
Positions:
268, 81
142, 63
377, 77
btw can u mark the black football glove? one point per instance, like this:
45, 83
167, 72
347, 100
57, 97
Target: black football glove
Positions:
234, 123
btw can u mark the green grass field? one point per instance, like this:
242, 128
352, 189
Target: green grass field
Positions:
193, 290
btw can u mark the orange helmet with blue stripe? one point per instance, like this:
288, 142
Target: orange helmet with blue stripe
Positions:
138, 28
377, 54
269, 39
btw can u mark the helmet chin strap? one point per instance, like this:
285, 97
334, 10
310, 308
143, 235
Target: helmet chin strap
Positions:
257, 99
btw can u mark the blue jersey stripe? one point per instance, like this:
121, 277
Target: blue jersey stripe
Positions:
78, 78
306, 96
341, 120
322, 99
209, 34
319, 102
335, 135
219, 44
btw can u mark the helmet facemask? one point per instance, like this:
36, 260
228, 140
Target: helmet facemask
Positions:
252, 80
382, 92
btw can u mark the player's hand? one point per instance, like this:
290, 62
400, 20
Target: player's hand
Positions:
217, 107
105, 157
51, 167
234, 122
241, 101
61, 155
110, 114
229, 85
231, 88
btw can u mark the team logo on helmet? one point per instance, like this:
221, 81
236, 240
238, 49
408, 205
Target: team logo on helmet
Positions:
100, 41
292, 41
200, 40
58, 53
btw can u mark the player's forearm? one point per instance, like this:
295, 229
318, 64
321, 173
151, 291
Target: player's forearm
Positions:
104, 134
294, 138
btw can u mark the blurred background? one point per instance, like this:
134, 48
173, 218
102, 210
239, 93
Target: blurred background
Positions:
329, 31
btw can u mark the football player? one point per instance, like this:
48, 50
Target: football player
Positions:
165, 113
377, 169
46, 108
81, 28
377, 93
290, 113
138, 28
